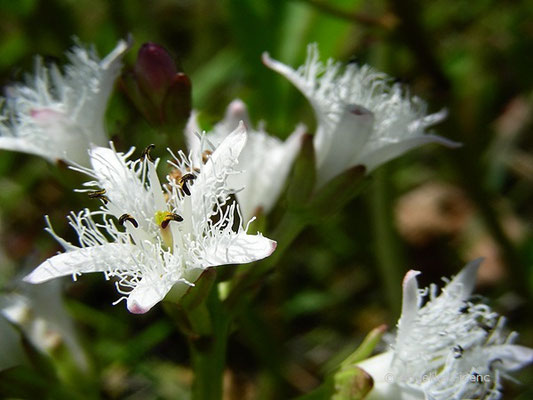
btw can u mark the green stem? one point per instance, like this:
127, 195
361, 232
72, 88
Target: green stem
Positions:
387, 253
208, 352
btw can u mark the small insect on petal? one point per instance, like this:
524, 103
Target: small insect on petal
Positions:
127, 217
146, 153
171, 217
99, 194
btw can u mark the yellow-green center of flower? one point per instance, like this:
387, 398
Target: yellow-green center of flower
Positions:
160, 216
163, 218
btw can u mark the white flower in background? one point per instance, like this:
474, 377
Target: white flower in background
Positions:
40, 313
10, 346
166, 238
361, 118
265, 161
59, 115
448, 348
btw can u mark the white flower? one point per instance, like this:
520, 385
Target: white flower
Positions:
40, 313
58, 115
451, 347
265, 161
361, 118
167, 238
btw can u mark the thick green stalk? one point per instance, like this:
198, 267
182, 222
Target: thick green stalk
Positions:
387, 254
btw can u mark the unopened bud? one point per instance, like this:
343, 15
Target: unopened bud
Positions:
155, 70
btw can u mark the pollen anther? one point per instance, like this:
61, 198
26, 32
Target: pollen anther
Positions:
99, 194
146, 153
127, 217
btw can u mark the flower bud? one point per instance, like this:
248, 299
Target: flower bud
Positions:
157, 88
155, 69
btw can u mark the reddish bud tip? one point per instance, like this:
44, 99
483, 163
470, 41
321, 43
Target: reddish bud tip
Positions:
155, 69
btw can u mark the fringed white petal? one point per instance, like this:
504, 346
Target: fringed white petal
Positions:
410, 306
19, 144
148, 292
84, 260
265, 162
510, 357
235, 113
465, 281
192, 137
240, 248
387, 151
211, 183
228, 151
347, 141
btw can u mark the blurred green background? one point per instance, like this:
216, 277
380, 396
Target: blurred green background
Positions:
432, 210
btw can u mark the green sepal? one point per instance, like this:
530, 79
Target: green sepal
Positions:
352, 383
189, 311
366, 348
197, 294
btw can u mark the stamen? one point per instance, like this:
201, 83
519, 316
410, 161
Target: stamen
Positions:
127, 217
496, 360
175, 174
458, 351
162, 218
464, 308
205, 155
146, 153
99, 194
170, 217
183, 183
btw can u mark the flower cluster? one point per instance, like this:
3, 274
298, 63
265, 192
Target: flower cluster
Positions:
156, 239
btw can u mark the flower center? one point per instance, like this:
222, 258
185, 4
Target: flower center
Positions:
163, 218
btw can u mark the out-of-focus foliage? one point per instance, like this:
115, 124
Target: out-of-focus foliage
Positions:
432, 210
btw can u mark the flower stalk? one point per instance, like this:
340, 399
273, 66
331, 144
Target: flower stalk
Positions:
208, 351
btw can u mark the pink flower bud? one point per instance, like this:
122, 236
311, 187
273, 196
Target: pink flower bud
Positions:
155, 70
